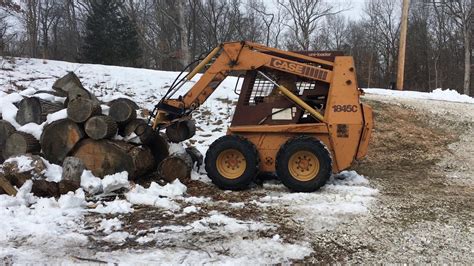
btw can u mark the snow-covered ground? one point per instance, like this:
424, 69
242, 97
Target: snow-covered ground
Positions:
68, 229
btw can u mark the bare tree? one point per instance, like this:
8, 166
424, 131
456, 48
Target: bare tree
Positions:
461, 13
384, 24
305, 15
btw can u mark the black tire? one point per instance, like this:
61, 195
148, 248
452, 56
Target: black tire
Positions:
304, 145
226, 144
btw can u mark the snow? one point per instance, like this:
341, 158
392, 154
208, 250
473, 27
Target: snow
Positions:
156, 195
116, 181
110, 225
23, 162
437, 94
191, 209
114, 207
117, 237
91, 183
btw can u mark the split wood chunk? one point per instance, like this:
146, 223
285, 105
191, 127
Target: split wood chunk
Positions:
29, 111
35, 110
105, 157
80, 109
63, 85
100, 127
59, 138
6, 129
123, 111
21, 143
72, 170
71, 87
7, 187
176, 166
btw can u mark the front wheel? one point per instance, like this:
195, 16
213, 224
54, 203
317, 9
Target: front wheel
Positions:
303, 164
232, 162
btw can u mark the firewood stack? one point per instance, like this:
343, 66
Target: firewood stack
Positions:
104, 142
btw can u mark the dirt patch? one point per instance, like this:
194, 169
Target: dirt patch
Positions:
419, 211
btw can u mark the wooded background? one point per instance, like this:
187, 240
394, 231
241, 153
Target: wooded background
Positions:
168, 34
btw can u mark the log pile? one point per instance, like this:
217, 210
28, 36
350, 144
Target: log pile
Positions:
89, 139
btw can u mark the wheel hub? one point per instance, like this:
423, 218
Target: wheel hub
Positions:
303, 165
231, 163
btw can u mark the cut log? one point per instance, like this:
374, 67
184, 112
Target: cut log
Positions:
180, 131
105, 157
123, 111
21, 143
6, 129
72, 170
7, 187
130, 102
100, 127
152, 139
81, 109
176, 166
35, 110
140, 128
59, 138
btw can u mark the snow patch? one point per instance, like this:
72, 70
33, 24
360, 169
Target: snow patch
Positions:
437, 94
156, 195
114, 207
116, 181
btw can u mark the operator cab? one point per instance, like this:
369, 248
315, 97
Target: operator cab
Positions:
261, 98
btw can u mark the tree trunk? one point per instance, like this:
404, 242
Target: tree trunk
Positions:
35, 110
59, 138
123, 111
467, 59
21, 143
105, 157
80, 109
6, 129
176, 166
100, 127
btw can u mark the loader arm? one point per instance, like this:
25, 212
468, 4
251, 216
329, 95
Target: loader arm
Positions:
240, 56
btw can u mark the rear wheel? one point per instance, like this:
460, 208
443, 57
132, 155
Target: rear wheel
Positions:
232, 162
303, 164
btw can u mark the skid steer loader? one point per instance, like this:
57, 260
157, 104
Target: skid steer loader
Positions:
298, 115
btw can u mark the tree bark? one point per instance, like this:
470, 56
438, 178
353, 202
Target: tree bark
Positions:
59, 138
105, 157
123, 111
100, 127
467, 59
80, 109
21, 143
